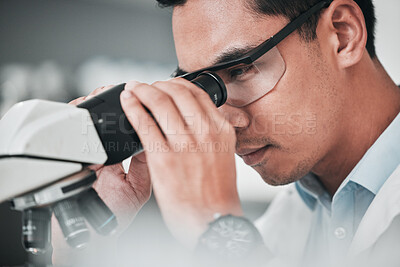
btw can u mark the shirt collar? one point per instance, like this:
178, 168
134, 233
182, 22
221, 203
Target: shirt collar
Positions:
309, 189
371, 172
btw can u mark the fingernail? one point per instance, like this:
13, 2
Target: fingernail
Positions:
126, 94
89, 97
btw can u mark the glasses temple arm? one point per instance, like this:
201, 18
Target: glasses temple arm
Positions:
291, 27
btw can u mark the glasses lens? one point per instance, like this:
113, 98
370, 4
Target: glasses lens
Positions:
248, 83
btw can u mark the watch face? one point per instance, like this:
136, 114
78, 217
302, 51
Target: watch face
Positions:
231, 237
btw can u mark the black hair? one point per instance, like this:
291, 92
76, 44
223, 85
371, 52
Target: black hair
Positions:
292, 8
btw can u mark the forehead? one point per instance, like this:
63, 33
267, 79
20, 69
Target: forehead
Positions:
204, 29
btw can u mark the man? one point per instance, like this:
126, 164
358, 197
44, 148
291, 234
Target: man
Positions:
314, 107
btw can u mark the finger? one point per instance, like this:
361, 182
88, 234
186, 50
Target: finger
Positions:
163, 110
77, 101
149, 134
115, 190
216, 120
99, 90
115, 172
191, 110
202, 96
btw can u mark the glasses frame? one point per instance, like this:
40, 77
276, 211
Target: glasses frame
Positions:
267, 45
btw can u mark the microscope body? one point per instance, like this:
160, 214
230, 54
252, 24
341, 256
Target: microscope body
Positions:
42, 142
46, 149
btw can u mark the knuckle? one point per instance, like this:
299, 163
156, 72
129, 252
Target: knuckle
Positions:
131, 85
160, 98
159, 84
201, 94
141, 90
172, 87
184, 92
138, 87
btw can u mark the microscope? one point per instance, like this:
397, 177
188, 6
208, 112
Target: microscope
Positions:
46, 149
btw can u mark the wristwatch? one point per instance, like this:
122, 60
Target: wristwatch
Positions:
229, 237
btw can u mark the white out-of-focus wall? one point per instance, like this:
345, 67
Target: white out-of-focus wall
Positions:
388, 36
251, 186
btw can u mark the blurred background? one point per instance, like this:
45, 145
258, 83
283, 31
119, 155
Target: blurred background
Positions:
62, 49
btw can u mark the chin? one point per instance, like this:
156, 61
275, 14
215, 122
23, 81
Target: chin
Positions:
282, 174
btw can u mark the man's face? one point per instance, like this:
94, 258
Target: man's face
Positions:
290, 130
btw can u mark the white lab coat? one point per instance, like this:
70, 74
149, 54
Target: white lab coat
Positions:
286, 224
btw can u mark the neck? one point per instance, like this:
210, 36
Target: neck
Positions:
372, 102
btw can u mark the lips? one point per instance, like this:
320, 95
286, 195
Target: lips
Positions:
252, 156
246, 151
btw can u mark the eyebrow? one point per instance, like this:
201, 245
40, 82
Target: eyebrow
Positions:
229, 55
233, 54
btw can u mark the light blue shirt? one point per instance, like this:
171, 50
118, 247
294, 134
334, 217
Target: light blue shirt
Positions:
335, 220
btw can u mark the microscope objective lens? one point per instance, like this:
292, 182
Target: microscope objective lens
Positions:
36, 229
72, 223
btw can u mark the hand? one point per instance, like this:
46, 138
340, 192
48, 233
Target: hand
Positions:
191, 159
124, 194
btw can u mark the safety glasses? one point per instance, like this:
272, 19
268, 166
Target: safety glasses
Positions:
253, 75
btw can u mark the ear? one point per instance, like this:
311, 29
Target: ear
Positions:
347, 32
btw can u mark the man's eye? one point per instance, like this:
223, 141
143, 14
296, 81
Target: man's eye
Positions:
237, 73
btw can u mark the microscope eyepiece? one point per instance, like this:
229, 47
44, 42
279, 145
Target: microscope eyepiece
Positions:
213, 85
118, 137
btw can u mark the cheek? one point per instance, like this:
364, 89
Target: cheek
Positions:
291, 117
300, 133
295, 133
302, 117
291, 124
305, 104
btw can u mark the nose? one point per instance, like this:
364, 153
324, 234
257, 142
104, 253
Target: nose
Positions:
237, 117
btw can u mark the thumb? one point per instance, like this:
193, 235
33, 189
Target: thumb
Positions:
108, 175
139, 177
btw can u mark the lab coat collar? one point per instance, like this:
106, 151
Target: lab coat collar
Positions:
379, 216
379, 161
